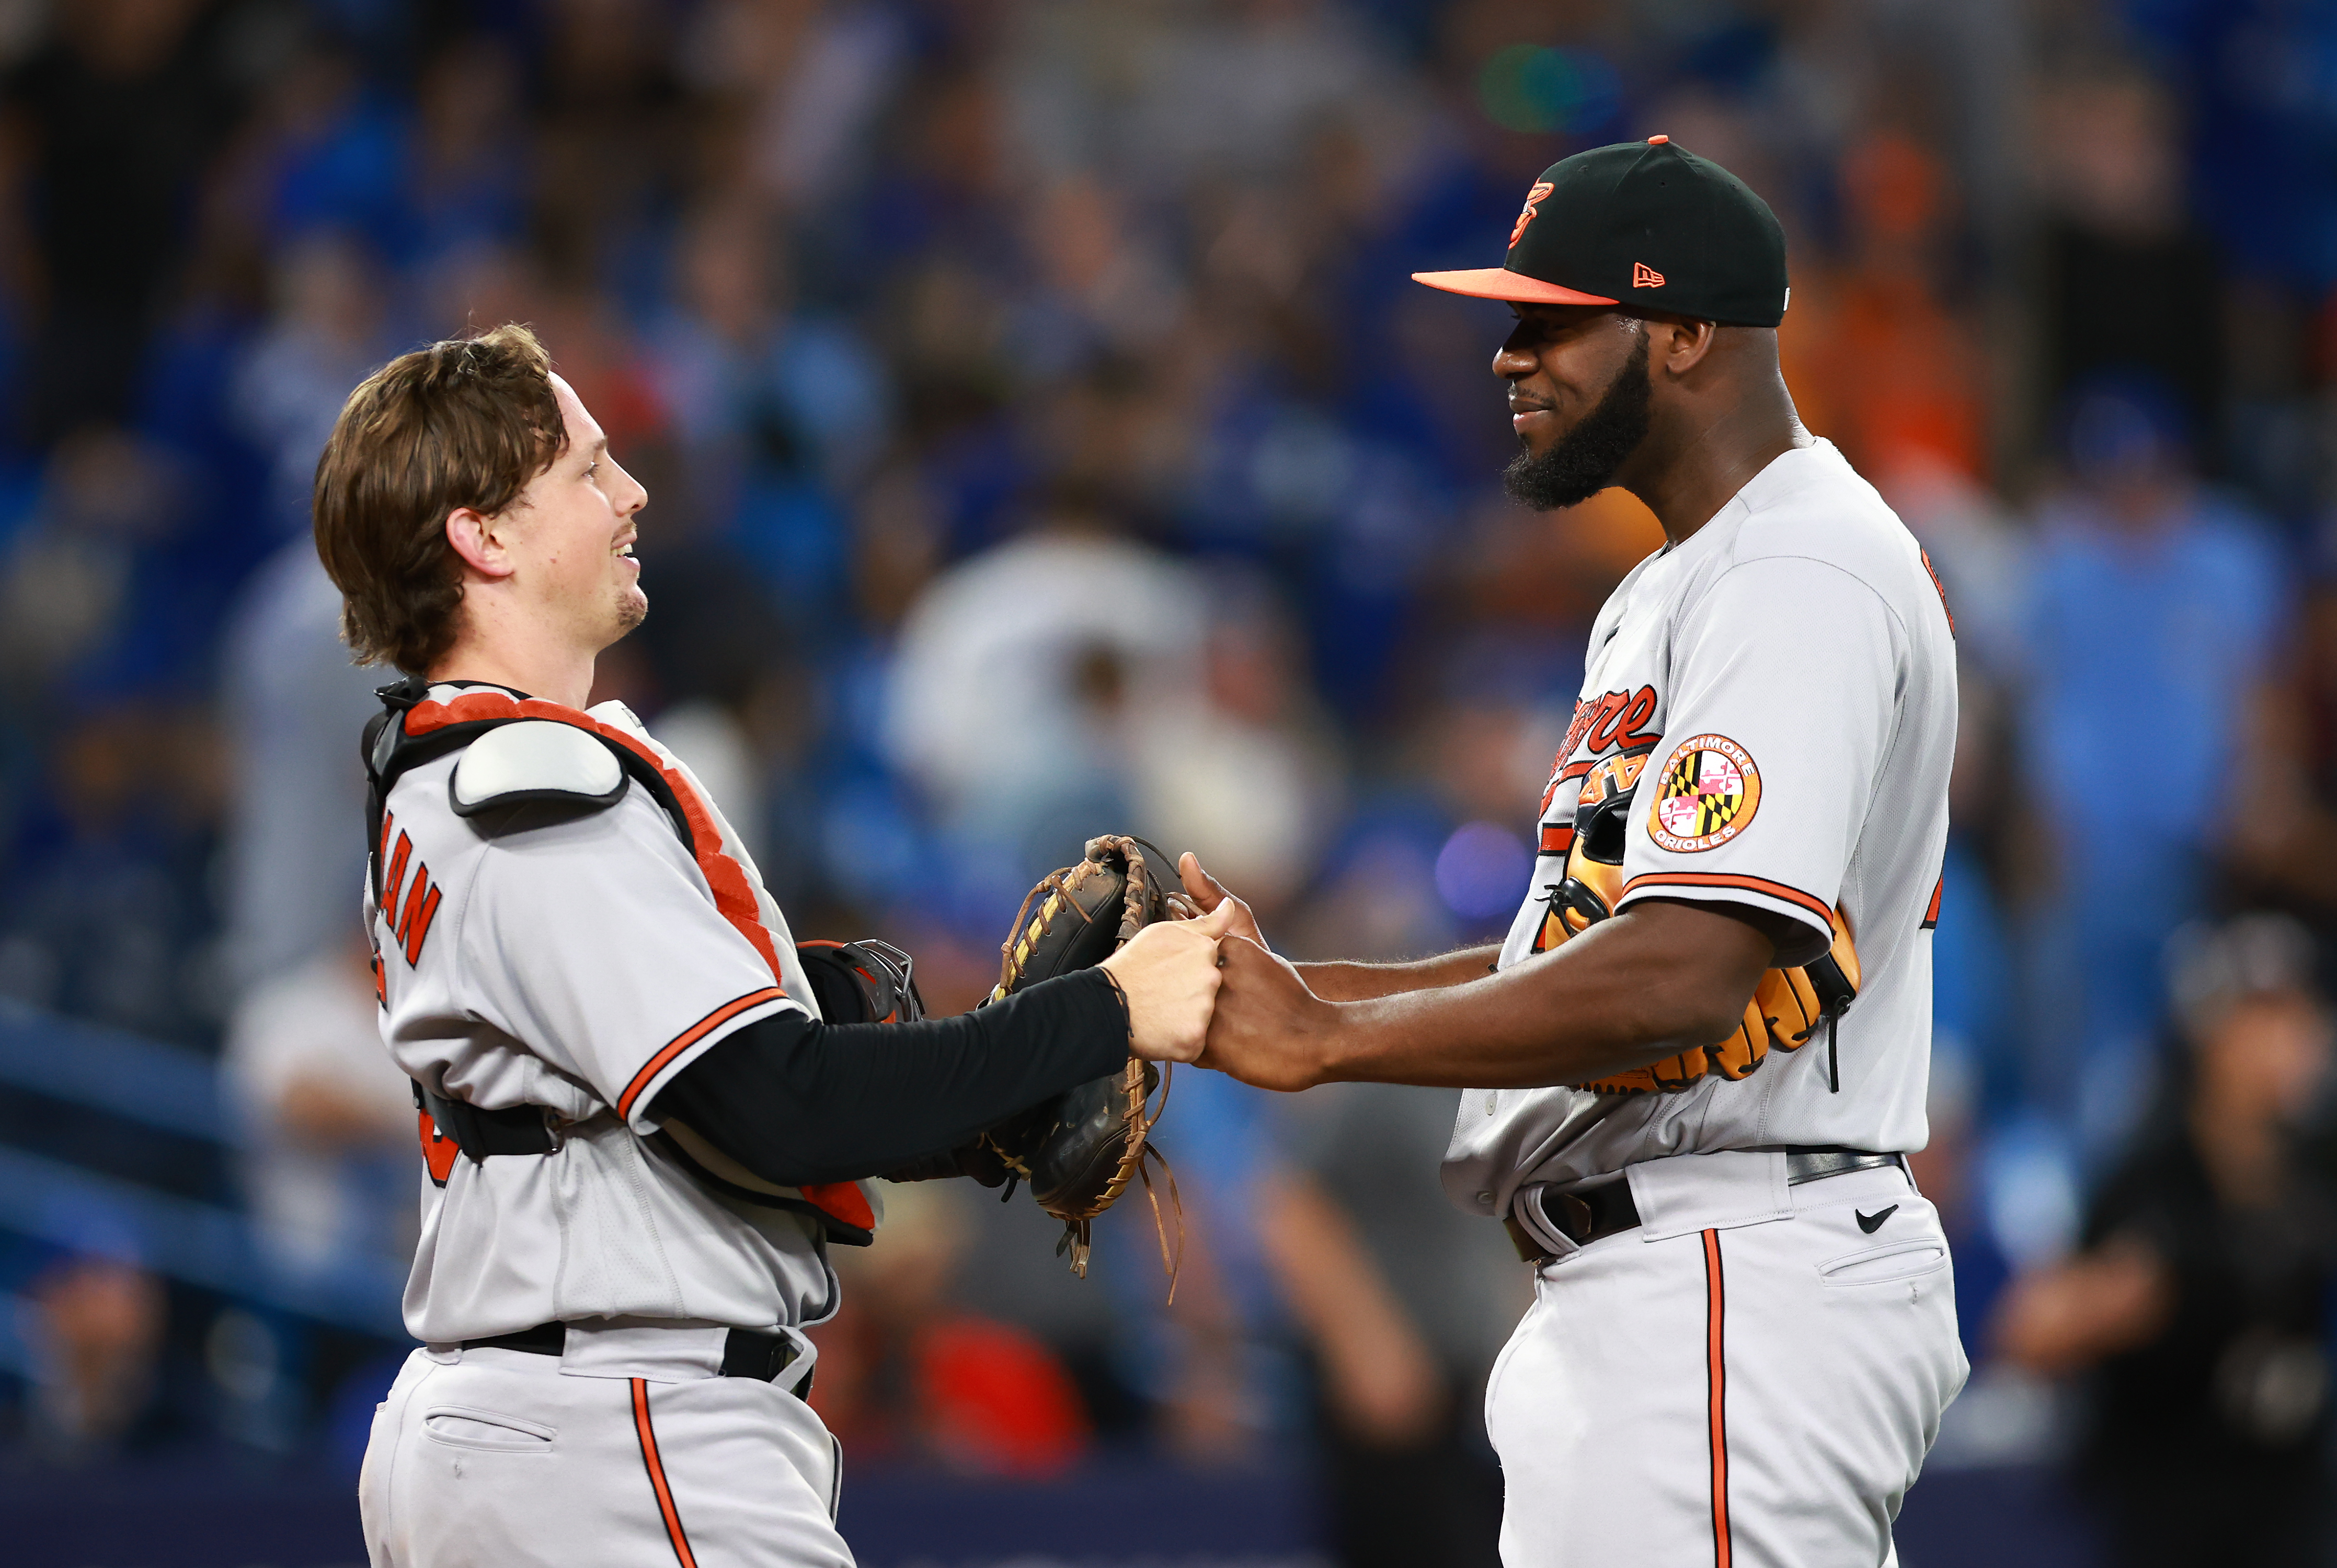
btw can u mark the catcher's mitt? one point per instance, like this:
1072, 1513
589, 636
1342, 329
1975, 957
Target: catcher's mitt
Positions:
1081, 1150
1787, 1006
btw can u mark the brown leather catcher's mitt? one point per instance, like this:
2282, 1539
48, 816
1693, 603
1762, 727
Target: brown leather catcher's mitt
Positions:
1788, 1005
1080, 1151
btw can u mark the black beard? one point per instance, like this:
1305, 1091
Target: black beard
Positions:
1587, 458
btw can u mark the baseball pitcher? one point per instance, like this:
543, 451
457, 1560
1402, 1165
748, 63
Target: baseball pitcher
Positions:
1691, 1073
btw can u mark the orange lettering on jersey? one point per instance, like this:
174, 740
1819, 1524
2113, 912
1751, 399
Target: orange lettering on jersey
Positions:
1617, 719
421, 908
1622, 725
395, 877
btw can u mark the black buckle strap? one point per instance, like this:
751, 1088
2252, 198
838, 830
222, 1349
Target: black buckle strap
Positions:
543, 1339
1594, 1213
1584, 1216
746, 1352
1816, 1164
749, 1353
482, 1134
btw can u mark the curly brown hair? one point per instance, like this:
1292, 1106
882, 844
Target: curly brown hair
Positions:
464, 423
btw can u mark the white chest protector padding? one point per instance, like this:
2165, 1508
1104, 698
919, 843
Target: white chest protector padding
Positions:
535, 760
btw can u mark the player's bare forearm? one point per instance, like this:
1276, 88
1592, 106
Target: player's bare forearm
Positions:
1349, 982
1657, 979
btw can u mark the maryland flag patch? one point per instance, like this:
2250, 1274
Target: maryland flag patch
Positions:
1706, 795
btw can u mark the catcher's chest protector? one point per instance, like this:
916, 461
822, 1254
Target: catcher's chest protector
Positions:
517, 752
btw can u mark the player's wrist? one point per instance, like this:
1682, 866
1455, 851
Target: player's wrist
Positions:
1336, 1046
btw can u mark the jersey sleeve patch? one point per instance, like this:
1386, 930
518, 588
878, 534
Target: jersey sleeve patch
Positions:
535, 760
1706, 795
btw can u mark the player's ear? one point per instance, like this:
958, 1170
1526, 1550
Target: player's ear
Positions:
1680, 345
471, 536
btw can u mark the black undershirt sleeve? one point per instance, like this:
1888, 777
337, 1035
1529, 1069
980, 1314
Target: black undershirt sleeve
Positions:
798, 1102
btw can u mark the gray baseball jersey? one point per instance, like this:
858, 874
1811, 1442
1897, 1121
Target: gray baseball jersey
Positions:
1781, 689
577, 961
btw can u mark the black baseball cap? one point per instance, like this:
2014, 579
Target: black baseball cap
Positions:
1646, 222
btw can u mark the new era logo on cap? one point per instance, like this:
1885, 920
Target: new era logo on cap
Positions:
1645, 277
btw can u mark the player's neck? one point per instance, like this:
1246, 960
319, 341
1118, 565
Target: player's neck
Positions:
1695, 459
505, 656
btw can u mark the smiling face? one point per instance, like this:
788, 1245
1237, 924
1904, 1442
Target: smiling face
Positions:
571, 537
1579, 400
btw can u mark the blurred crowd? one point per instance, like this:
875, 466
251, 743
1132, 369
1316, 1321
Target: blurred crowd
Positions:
1042, 438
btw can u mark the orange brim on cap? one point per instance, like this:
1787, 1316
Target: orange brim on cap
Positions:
1500, 283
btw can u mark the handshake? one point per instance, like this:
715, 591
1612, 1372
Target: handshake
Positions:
1204, 987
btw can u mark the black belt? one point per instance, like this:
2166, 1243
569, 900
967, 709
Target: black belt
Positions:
746, 1352
1594, 1213
514, 1129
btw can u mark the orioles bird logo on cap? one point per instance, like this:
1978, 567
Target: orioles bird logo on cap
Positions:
1533, 201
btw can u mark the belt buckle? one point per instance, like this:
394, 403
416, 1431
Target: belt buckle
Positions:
1529, 1249
755, 1354
1568, 1213
1563, 1212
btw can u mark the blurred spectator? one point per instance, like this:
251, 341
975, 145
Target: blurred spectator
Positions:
1352, 1264
467, 171
1407, 1306
327, 336
1894, 357
1024, 676
2120, 248
1981, 553
71, 581
1378, 899
295, 708
1243, 772
330, 1167
803, 85
905, 1373
779, 409
2156, 605
123, 109
94, 1324
1947, 1171
750, 375
2199, 1301
109, 913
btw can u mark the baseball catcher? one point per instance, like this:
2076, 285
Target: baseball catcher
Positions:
646, 1111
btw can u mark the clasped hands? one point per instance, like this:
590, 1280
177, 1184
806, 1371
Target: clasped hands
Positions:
1204, 988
